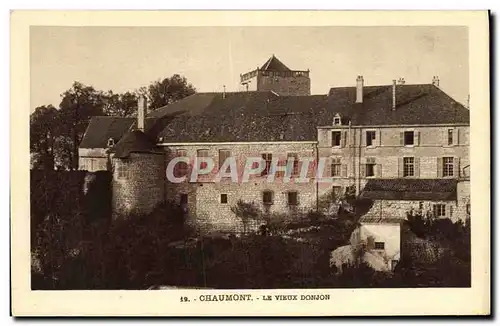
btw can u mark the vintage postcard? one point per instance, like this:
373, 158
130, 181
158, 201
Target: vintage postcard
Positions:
250, 163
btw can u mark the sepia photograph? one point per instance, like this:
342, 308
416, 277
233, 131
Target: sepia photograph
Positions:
179, 158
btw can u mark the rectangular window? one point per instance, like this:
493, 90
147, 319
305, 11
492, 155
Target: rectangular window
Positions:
202, 153
370, 167
268, 158
439, 210
421, 205
370, 170
336, 138
336, 168
122, 170
380, 245
267, 197
223, 155
295, 166
447, 166
292, 198
408, 166
181, 168
183, 199
450, 136
223, 198
408, 138
370, 138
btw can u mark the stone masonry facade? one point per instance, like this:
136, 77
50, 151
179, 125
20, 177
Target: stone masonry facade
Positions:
138, 183
209, 203
276, 119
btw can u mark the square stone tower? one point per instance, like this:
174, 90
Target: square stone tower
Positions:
275, 76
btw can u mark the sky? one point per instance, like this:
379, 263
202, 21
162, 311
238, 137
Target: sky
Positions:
126, 58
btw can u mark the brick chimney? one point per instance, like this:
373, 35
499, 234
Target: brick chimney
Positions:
435, 81
142, 111
394, 94
359, 89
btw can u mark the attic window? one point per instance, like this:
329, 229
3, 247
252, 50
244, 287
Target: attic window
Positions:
111, 142
337, 120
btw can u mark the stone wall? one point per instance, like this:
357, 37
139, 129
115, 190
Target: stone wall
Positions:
463, 199
206, 211
293, 85
387, 152
400, 208
138, 183
93, 159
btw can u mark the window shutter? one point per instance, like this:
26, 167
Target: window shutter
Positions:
378, 136
327, 172
400, 167
439, 167
344, 170
416, 138
363, 170
417, 167
456, 167
322, 137
456, 134
401, 138
378, 171
343, 139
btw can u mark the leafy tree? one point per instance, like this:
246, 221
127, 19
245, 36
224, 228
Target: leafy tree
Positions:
43, 130
167, 90
78, 105
120, 105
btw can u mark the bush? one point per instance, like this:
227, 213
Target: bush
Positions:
248, 212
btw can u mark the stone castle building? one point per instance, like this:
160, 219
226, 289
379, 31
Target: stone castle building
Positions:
276, 77
403, 146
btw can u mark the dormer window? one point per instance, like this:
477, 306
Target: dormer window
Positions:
337, 121
111, 142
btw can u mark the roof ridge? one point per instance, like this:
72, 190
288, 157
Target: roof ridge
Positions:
277, 65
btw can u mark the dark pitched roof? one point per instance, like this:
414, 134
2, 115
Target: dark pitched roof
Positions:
273, 64
100, 129
247, 116
410, 189
134, 141
415, 104
266, 116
